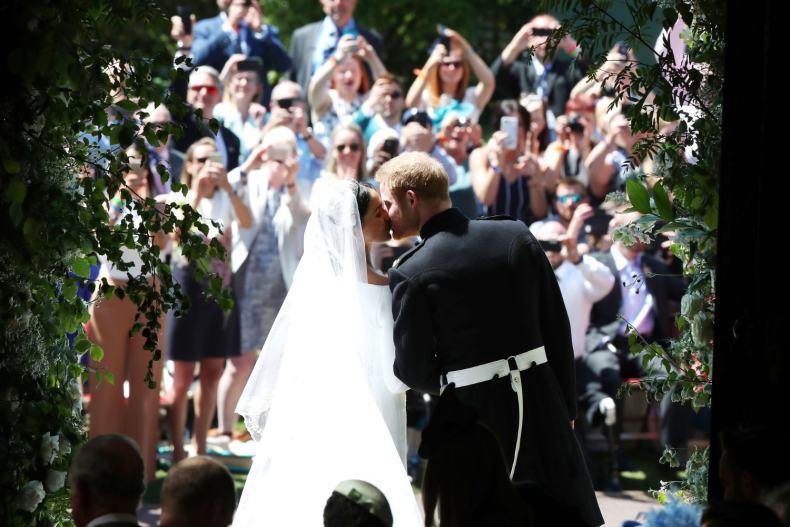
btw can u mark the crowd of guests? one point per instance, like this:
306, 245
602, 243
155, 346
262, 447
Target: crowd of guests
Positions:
339, 114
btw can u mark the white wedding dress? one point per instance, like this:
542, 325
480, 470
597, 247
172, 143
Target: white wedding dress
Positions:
323, 403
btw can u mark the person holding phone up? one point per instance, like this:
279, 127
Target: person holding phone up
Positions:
508, 174
263, 259
201, 335
445, 76
549, 80
348, 83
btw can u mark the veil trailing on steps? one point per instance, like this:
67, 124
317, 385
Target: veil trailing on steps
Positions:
310, 403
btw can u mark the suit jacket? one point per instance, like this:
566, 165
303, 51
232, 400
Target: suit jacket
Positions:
603, 317
213, 47
477, 291
303, 45
520, 77
192, 133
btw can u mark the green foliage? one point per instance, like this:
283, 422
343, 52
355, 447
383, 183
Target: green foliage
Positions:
64, 87
685, 195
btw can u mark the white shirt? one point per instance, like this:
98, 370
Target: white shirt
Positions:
112, 518
636, 308
581, 286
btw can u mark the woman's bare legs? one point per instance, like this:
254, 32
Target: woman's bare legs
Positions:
205, 401
231, 385
183, 375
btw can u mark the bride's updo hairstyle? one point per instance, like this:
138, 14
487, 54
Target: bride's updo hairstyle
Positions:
362, 193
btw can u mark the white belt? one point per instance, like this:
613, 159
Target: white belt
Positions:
500, 368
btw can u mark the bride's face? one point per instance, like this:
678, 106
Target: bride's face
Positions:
376, 223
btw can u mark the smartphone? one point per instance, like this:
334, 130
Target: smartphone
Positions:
389, 261
216, 158
541, 32
598, 224
509, 125
247, 3
185, 13
391, 147
286, 103
250, 64
444, 40
552, 246
278, 152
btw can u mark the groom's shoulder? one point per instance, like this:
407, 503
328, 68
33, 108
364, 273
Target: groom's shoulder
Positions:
501, 223
408, 254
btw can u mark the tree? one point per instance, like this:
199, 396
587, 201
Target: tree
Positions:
685, 189
63, 89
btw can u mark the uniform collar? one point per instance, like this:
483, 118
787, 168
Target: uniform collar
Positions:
442, 222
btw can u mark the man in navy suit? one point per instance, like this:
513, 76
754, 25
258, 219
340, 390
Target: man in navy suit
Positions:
238, 29
313, 44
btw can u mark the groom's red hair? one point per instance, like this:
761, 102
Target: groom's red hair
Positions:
418, 172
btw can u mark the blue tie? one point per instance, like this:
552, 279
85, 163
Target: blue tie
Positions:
329, 51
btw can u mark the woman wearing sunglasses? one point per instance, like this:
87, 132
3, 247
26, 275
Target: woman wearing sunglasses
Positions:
348, 83
445, 77
201, 335
347, 160
111, 320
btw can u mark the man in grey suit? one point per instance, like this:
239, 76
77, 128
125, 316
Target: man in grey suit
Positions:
313, 44
107, 482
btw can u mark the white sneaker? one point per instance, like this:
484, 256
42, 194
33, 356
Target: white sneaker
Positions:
607, 408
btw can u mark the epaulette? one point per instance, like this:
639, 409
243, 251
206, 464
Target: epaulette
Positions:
501, 217
405, 256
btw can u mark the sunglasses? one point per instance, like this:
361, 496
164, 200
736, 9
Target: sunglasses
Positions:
201, 160
396, 95
574, 198
211, 90
455, 64
354, 147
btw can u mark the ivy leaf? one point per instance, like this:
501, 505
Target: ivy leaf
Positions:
663, 204
81, 267
670, 17
214, 125
98, 377
711, 217
109, 377
97, 353
126, 104
126, 137
82, 346
638, 195
16, 191
11, 166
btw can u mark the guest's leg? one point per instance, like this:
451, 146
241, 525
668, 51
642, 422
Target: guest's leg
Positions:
110, 323
142, 422
231, 385
206, 401
183, 375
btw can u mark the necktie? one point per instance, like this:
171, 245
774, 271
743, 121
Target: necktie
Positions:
330, 50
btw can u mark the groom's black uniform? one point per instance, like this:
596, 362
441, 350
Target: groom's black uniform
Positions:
478, 291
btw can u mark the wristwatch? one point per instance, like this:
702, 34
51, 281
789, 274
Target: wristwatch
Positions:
308, 135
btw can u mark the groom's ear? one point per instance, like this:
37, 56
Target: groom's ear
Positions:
412, 199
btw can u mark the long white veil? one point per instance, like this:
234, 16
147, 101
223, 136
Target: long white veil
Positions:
308, 403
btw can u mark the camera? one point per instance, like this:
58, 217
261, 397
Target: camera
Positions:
575, 125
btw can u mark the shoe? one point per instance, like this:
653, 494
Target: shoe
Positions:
608, 410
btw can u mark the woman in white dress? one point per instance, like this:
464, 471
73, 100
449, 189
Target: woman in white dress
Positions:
323, 403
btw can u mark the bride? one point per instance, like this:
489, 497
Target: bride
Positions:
323, 403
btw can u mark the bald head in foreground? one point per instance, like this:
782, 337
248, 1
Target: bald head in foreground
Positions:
471, 295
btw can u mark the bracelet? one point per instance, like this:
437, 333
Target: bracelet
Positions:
333, 60
307, 137
469, 50
421, 74
498, 170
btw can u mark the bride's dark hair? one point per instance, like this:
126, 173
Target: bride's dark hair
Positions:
362, 193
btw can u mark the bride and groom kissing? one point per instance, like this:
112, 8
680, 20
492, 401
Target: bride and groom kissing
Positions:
474, 304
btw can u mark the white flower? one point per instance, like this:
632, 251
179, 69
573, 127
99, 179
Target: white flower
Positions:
65, 444
55, 480
690, 305
623, 234
702, 329
30, 496
49, 447
619, 198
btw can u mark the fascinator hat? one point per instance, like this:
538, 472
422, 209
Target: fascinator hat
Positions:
368, 497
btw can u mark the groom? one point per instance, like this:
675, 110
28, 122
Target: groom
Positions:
476, 303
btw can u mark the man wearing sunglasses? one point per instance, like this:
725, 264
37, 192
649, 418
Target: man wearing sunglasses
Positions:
204, 94
384, 107
573, 208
